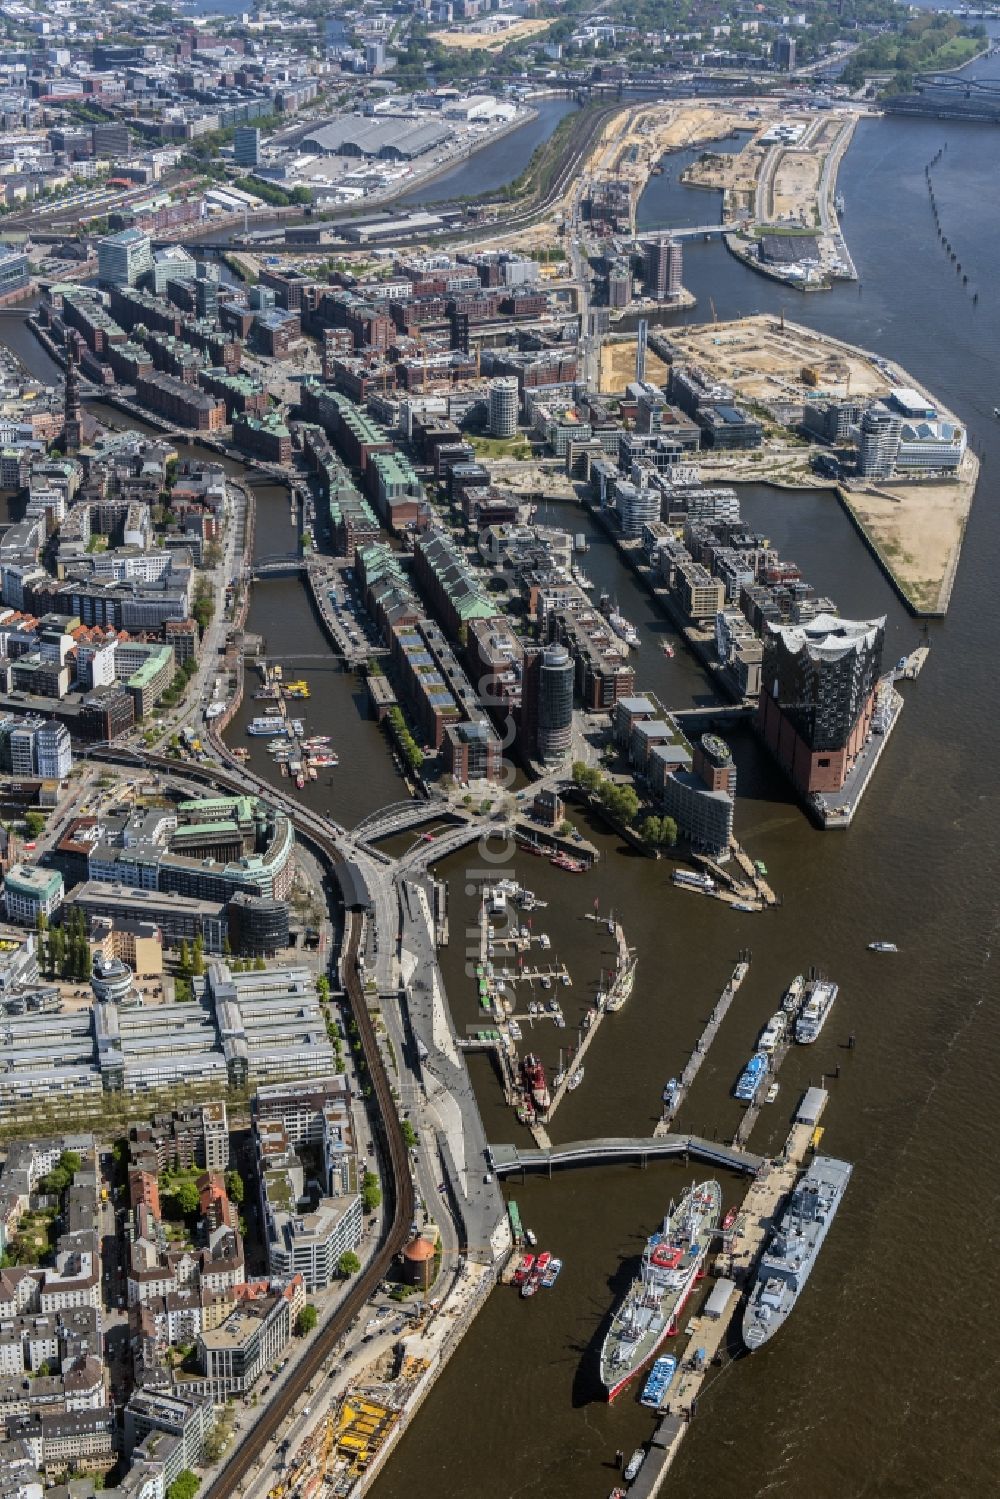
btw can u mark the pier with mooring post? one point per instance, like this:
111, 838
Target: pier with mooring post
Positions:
672, 1105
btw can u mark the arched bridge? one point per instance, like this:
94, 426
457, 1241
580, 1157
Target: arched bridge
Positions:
397, 818
290, 562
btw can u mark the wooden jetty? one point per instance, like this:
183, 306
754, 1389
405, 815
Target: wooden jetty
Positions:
702, 1044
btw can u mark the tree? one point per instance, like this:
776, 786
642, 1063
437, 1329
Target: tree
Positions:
187, 1198
198, 956
184, 1486
409, 1134
307, 1319
371, 1192
348, 1264
235, 1187
184, 960
35, 823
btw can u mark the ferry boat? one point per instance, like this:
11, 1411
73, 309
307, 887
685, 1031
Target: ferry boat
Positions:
658, 1383
751, 1078
882, 947
694, 881
819, 1000
793, 994
773, 1033
624, 630
535, 1082
787, 1262
671, 1262
265, 727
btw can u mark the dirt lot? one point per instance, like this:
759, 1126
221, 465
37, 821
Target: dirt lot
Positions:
618, 367
795, 187
489, 41
764, 363
918, 528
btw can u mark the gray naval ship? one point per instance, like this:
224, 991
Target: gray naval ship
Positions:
798, 1237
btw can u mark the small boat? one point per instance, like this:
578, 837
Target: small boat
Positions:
793, 994
742, 905
534, 1280
996, 411
576, 1078
729, 1221
553, 1005
760, 866
559, 1078
514, 1029
633, 1465
544, 941
531, 1237
524, 1269
617, 1493
882, 947
772, 1093
668, 650
546, 981
670, 1091
551, 1275
564, 979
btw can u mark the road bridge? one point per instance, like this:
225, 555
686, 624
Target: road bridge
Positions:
509, 1159
269, 567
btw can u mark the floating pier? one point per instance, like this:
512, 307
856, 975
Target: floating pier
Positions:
706, 1335
702, 1044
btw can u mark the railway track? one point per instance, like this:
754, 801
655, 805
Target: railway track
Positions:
324, 1341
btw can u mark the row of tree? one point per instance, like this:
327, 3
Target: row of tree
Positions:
63, 951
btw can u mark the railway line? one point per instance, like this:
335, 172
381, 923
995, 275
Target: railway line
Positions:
326, 1338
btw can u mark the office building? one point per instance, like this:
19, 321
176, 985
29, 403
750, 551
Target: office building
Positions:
504, 400
783, 50
878, 447
663, 268
555, 703
123, 258
14, 273
817, 698
246, 146
31, 891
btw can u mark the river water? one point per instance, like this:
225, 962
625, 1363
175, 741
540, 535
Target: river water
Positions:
880, 1385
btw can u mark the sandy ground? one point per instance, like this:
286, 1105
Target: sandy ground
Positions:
764, 363
618, 367
918, 529
489, 41
795, 187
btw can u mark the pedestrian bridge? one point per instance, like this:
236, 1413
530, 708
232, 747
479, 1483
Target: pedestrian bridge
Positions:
508, 1159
